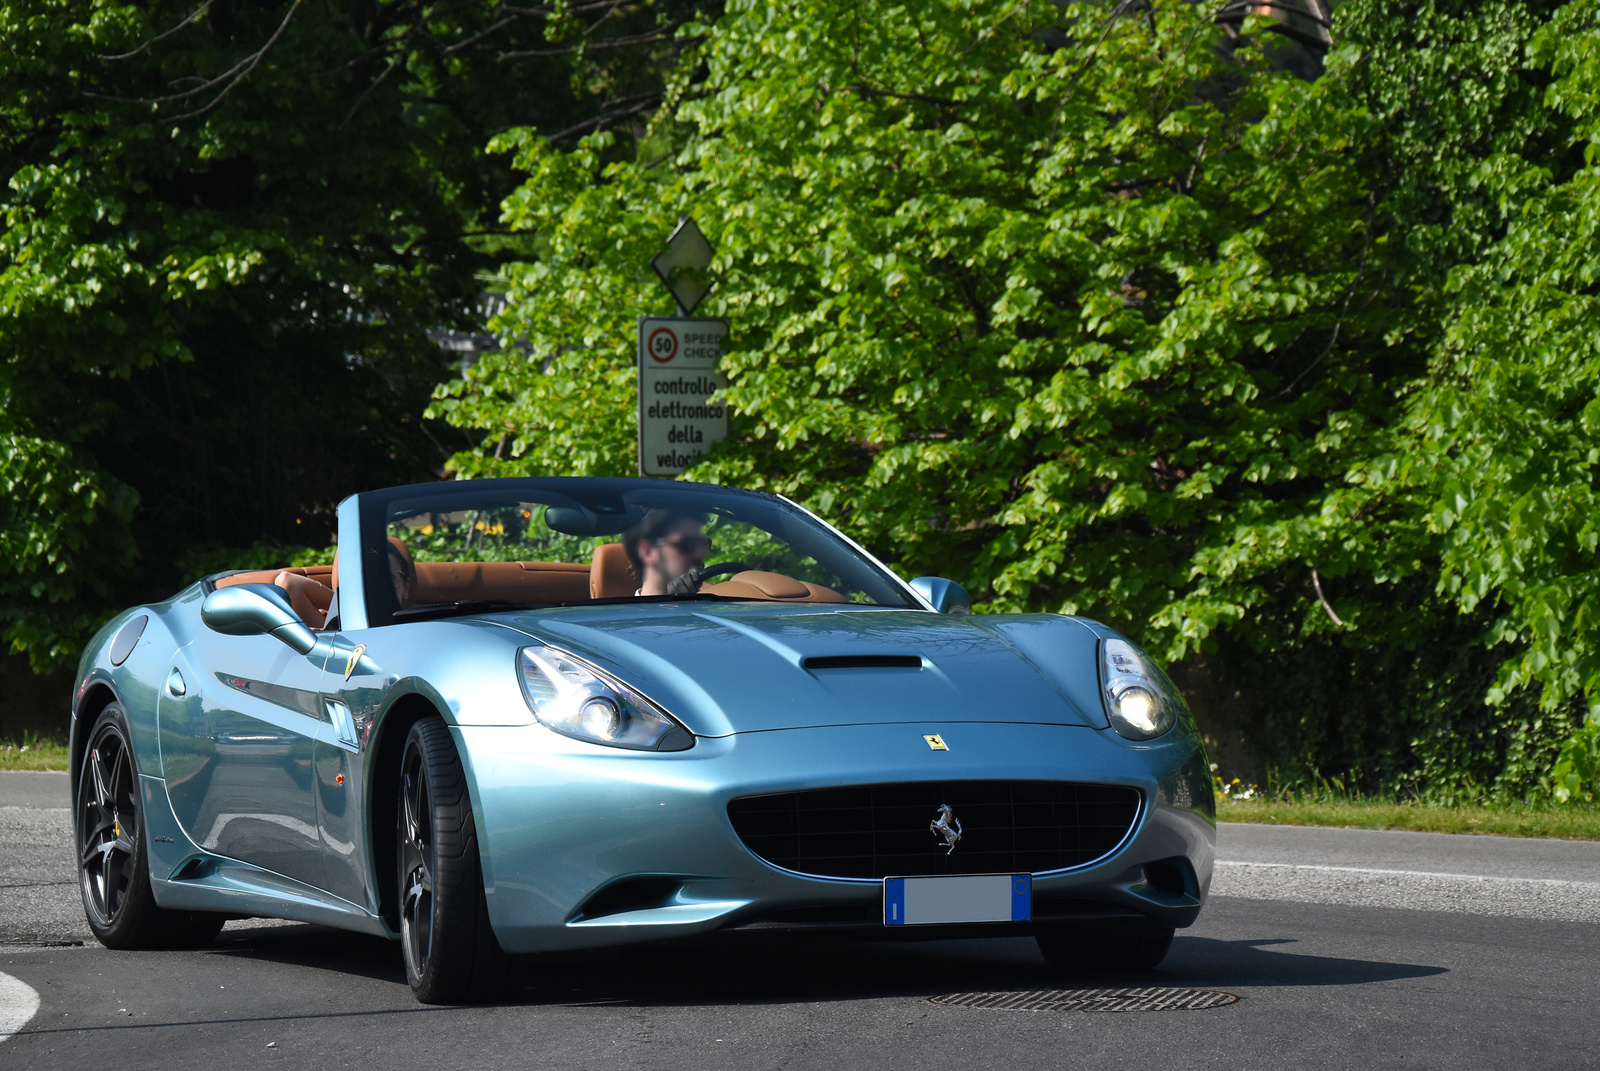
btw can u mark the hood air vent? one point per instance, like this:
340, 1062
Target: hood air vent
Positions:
863, 661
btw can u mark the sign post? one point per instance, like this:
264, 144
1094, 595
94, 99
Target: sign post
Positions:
678, 416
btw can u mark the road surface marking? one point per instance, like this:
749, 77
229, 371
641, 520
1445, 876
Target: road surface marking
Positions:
18, 1002
1408, 873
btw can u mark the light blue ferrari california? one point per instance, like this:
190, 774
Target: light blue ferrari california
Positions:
535, 716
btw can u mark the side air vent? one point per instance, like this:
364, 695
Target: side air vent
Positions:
194, 867
863, 661
628, 894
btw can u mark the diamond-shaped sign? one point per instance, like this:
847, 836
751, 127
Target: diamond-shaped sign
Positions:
683, 266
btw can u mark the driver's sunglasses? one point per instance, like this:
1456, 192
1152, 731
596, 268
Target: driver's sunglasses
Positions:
689, 544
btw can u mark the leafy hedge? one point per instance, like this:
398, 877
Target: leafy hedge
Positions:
1111, 314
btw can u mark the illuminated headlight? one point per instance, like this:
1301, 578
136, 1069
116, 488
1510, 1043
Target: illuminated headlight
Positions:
1139, 700
582, 701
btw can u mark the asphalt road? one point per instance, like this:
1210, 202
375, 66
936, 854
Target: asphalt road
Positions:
1346, 949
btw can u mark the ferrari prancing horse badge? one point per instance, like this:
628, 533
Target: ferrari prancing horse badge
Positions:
355, 659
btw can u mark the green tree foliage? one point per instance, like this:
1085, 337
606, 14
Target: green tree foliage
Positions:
1512, 413
56, 515
228, 229
1085, 315
1098, 310
1470, 151
1510, 417
1095, 306
1037, 312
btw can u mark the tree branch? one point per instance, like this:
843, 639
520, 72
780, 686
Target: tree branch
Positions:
254, 60
1316, 582
238, 72
866, 92
658, 34
1344, 308
376, 82
201, 10
644, 101
984, 34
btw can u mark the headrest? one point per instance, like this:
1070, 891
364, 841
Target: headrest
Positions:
611, 574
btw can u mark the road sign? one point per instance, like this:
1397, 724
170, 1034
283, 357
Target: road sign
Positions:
678, 415
683, 266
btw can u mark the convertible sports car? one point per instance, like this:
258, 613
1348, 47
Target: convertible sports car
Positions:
546, 715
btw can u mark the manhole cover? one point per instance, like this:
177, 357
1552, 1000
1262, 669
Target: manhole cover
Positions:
1092, 1000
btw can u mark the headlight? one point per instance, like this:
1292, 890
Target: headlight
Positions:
1140, 701
582, 701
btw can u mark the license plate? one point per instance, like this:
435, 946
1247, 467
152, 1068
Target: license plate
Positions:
957, 898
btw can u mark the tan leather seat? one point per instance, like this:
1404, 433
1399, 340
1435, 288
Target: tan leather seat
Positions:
309, 598
404, 551
405, 584
513, 581
611, 574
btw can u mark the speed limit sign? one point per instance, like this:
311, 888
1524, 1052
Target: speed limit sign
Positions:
681, 412
662, 345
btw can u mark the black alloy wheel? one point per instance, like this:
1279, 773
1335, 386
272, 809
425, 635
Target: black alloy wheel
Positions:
1111, 946
451, 953
113, 867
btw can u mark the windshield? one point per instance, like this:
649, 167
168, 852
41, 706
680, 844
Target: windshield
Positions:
479, 546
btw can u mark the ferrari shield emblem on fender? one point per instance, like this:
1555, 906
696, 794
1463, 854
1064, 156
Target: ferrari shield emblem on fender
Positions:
355, 657
936, 743
946, 826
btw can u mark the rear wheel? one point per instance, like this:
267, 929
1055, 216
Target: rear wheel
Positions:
451, 953
113, 866
1110, 946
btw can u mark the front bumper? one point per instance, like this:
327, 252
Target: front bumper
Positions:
588, 847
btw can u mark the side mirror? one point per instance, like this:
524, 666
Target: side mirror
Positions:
253, 609
947, 596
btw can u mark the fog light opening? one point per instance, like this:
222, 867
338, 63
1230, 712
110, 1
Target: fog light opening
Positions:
1171, 877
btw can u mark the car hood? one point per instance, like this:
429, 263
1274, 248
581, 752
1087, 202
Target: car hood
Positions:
724, 669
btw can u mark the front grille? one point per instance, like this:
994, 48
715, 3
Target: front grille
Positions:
873, 831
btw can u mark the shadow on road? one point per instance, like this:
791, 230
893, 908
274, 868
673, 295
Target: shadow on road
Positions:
796, 972
315, 947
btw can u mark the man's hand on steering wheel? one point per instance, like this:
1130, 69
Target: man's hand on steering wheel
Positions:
688, 583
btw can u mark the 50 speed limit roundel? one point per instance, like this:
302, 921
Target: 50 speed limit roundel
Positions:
662, 344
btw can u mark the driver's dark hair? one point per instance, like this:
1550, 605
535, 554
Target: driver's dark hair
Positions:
653, 526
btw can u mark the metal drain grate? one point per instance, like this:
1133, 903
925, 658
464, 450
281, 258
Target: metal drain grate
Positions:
1092, 1000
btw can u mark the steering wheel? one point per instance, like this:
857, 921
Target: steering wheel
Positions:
723, 567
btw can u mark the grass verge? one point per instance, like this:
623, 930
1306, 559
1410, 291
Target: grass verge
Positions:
1502, 820
33, 753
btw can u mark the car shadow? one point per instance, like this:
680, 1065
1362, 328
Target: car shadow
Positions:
314, 947
819, 972
812, 973
1209, 963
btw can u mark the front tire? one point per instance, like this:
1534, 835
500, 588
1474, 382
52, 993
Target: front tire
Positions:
113, 860
451, 953
1107, 947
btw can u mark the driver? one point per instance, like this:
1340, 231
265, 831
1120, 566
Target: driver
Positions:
668, 550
